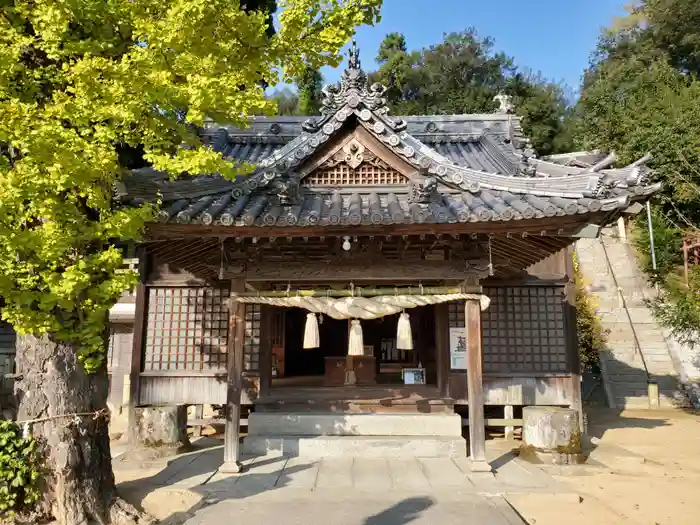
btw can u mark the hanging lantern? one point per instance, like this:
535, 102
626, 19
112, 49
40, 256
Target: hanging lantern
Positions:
404, 336
311, 335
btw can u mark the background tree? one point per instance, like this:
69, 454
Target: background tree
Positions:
80, 81
309, 85
641, 94
463, 74
287, 101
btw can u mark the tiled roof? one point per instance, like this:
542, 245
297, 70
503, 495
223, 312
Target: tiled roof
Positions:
465, 168
476, 147
372, 208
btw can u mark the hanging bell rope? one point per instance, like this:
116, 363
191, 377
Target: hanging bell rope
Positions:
311, 335
355, 348
356, 344
404, 337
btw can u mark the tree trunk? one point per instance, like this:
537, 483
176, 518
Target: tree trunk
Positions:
52, 385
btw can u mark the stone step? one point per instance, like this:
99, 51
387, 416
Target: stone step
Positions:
642, 402
356, 446
311, 424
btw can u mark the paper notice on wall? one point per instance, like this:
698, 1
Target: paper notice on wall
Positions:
458, 349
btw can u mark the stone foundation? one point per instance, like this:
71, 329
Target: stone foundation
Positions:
159, 431
551, 435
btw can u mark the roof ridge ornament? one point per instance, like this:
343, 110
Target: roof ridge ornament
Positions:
505, 104
353, 94
354, 56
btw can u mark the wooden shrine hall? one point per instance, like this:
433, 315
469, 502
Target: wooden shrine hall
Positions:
372, 277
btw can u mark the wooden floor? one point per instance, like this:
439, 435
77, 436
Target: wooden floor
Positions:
306, 393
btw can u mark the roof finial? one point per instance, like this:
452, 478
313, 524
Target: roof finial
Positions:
505, 103
354, 56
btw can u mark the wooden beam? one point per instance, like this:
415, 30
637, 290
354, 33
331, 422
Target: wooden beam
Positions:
232, 432
378, 270
475, 388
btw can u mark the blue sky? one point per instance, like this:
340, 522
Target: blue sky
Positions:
554, 37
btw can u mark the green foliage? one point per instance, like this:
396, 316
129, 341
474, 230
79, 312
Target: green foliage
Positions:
543, 107
463, 74
641, 95
85, 81
19, 470
673, 27
678, 307
589, 331
668, 246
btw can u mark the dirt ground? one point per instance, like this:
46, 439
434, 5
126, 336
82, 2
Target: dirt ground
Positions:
648, 474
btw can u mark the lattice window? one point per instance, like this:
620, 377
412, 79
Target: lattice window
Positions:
186, 329
343, 175
456, 313
251, 346
523, 330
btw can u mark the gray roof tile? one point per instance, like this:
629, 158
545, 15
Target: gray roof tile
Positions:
373, 208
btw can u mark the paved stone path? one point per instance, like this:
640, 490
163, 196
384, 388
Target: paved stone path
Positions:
352, 509
345, 491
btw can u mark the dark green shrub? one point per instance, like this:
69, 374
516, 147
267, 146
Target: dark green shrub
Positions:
19, 470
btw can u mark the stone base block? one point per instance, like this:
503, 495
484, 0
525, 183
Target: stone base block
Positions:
356, 446
159, 431
551, 435
551, 429
305, 424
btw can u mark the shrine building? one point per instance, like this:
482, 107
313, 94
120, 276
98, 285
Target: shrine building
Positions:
375, 285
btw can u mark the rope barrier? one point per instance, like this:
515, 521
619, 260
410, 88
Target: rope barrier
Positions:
27, 423
358, 307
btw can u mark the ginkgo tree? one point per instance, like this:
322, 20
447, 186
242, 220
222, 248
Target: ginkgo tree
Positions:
82, 82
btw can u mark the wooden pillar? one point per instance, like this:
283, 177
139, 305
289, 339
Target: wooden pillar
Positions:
266, 314
236, 338
130, 396
571, 339
475, 388
508, 414
442, 344
198, 416
622, 229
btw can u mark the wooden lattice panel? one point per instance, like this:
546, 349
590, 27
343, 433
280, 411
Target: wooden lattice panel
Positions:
365, 175
121, 337
251, 347
186, 329
523, 330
